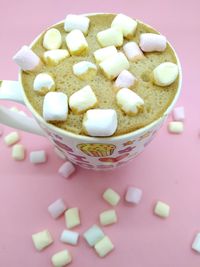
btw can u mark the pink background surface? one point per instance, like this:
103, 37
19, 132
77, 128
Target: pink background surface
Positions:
168, 170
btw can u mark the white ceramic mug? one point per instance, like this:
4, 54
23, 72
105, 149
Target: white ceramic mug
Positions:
88, 152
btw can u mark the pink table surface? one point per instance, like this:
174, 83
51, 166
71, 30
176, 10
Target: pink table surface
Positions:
168, 170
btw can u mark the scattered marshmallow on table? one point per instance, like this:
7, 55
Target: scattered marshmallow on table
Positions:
125, 24
165, 74
179, 114
11, 138
27, 60
37, 157
104, 246
150, 42
111, 197
175, 127
76, 43
110, 37
93, 235
85, 70
72, 218
42, 240
57, 208
129, 102
104, 53
69, 237
79, 22
54, 57
55, 106
132, 51
108, 217
43, 83
113, 65
196, 243
52, 39
61, 258
100, 122
18, 152
162, 209
133, 195
66, 169
82, 100
125, 80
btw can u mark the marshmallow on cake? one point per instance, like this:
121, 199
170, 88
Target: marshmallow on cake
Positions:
76, 43
77, 22
85, 70
54, 57
125, 80
52, 39
150, 42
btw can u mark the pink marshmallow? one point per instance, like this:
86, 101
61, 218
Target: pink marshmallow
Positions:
57, 208
26, 59
150, 42
133, 195
179, 114
125, 80
132, 51
66, 169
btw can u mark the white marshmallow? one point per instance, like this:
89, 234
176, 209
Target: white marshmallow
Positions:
110, 37
104, 246
66, 169
93, 235
111, 197
43, 83
165, 74
76, 22
52, 39
129, 101
196, 243
162, 209
132, 51
176, 127
150, 42
55, 106
69, 237
11, 138
133, 195
125, 24
57, 208
104, 53
76, 43
179, 114
85, 70
42, 240
54, 57
72, 218
82, 100
125, 80
108, 217
18, 152
61, 258
113, 65
37, 157
26, 59
100, 122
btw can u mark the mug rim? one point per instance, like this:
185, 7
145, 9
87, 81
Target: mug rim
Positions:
109, 138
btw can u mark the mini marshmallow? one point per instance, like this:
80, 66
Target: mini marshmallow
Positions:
52, 39
132, 51
69, 237
129, 102
43, 83
18, 152
85, 70
196, 243
82, 100
110, 37
176, 127
125, 24
54, 57
66, 169
76, 22
11, 138
125, 80
55, 106
100, 122
104, 246
108, 217
72, 218
133, 195
165, 74
57, 208
61, 258
179, 114
37, 157
162, 209
93, 235
111, 197
150, 42
42, 240
104, 53
27, 60
113, 65
76, 43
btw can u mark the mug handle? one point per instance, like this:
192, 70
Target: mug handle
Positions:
11, 90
